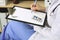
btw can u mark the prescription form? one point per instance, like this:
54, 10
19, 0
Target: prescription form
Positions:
28, 16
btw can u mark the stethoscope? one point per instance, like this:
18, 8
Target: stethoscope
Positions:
49, 6
52, 13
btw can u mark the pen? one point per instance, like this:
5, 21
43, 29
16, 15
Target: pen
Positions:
35, 1
34, 5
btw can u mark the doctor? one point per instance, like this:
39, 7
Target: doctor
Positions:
53, 18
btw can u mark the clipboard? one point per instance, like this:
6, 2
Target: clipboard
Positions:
28, 16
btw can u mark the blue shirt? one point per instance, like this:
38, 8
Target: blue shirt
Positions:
17, 31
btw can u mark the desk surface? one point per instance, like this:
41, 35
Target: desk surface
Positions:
25, 4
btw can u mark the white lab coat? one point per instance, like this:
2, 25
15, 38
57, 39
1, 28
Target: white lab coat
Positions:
53, 19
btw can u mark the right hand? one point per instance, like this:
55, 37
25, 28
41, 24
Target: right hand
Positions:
35, 7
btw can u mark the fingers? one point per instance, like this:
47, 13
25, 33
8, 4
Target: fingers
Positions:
37, 7
33, 7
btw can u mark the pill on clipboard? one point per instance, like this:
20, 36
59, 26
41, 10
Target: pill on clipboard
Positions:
37, 18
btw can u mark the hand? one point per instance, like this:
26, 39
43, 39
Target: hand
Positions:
37, 7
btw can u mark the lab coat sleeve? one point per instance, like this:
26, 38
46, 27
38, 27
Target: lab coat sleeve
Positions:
56, 24
47, 32
55, 30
